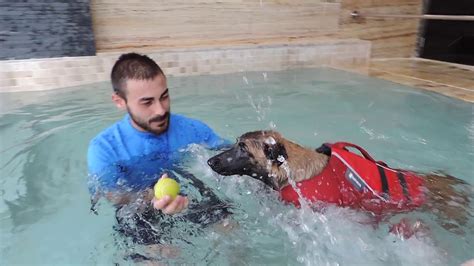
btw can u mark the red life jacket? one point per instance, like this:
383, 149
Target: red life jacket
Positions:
359, 182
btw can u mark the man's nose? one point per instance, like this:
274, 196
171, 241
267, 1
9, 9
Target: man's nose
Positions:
159, 109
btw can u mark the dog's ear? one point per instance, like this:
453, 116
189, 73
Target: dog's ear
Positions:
274, 151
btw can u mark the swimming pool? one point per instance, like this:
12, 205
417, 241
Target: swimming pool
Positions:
44, 211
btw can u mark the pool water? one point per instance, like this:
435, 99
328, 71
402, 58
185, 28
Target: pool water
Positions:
44, 211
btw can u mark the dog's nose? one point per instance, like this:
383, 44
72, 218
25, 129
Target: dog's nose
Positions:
213, 162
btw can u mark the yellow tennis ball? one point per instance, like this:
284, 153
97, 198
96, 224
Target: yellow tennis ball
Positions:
166, 186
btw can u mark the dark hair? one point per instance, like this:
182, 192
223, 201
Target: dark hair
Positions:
132, 66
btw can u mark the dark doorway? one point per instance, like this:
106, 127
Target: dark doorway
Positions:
451, 41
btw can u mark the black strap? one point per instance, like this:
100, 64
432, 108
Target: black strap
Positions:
403, 183
383, 179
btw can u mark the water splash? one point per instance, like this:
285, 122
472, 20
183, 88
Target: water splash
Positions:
261, 105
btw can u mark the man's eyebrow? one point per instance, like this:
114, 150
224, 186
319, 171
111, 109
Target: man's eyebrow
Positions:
146, 99
165, 92
151, 98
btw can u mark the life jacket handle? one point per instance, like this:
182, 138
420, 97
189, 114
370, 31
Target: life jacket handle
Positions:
344, 145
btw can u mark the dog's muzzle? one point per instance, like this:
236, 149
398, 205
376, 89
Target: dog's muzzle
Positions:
214, 163
218, 166
231, 162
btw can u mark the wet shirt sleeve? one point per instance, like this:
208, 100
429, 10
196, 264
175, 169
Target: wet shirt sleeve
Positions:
102, 173
207, 137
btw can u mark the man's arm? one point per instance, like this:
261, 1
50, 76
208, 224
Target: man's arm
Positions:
123, 198
104, 176
210, 139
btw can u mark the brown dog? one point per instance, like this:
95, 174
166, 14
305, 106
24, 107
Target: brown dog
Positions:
276, 161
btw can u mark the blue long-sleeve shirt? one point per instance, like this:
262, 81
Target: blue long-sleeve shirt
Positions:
124, 158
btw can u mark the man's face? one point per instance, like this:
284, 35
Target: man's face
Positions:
148, 103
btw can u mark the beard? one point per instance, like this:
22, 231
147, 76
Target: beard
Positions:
146, 124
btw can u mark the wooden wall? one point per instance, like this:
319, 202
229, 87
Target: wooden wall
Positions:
163, 23
150, 24
389, 37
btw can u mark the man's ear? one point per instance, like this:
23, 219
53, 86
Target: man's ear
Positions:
119, 101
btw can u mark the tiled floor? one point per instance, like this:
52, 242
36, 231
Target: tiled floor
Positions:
453, 80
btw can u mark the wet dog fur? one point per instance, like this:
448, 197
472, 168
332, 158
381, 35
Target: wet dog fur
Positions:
259, 155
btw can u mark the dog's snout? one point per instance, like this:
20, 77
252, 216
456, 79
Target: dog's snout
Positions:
213, 162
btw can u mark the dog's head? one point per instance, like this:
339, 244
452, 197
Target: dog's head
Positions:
256, 154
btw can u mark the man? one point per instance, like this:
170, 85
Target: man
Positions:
126, 159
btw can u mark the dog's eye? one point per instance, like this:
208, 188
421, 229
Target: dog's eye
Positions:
242, 146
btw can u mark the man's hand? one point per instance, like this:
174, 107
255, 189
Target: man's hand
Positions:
170, 206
